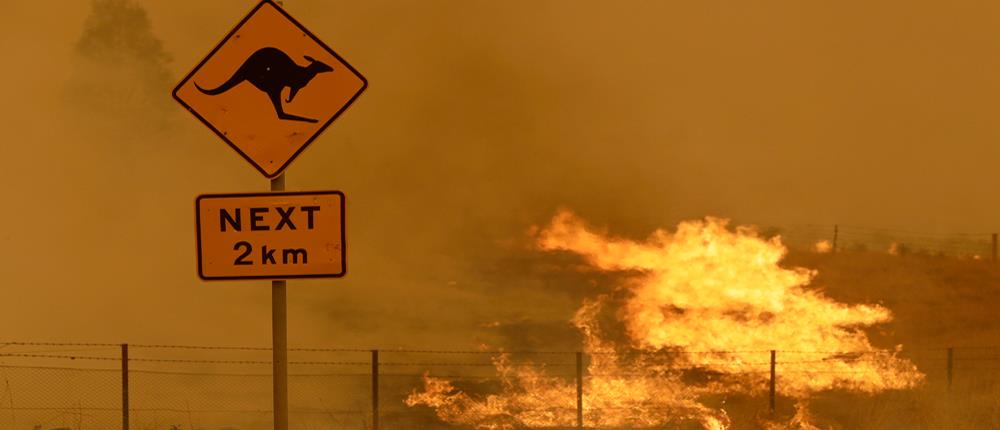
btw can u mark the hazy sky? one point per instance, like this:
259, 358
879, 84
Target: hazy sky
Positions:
482, 118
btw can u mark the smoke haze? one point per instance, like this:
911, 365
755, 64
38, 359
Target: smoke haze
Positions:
481, 120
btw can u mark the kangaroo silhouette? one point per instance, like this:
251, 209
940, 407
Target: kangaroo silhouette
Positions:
271, 70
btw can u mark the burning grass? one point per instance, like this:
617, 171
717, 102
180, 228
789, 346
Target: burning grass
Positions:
701, 310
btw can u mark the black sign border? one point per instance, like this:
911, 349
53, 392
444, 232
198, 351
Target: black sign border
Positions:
343, 234
315, 135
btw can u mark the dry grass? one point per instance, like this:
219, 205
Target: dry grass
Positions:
938, 302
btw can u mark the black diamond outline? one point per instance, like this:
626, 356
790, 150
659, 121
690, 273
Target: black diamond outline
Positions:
319, 131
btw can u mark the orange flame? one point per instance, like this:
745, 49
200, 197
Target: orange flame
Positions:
706, 300
823, 247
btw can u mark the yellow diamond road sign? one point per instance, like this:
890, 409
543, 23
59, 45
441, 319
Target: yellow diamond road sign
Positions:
270, 88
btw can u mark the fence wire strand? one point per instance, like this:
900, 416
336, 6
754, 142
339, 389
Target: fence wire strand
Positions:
210, 389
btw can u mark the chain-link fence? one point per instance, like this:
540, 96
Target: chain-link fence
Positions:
33, 397
83, 386
77, 387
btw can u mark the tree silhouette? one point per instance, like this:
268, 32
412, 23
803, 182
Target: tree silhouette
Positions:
121, 67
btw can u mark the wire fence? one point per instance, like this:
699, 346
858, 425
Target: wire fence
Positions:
835, 238
76, 386
72, 386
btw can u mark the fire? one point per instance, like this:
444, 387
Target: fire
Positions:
823, 247
704, 300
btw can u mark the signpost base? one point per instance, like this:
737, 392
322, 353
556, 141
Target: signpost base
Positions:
279, 328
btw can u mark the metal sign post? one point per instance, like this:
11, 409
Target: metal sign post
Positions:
279, 335
269, 89
279, 338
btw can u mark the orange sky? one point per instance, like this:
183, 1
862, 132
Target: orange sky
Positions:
482, 118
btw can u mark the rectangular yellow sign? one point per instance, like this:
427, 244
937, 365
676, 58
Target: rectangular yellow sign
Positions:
271, 235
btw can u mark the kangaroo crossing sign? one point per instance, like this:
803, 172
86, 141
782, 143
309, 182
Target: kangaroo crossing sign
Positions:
270, 88
271, 235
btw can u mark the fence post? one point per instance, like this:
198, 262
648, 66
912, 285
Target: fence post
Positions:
836, 232
994, 248
124, 386
374, 389
951, 366
579, 390
772, 393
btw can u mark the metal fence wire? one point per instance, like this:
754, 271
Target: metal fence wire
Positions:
81, 386
77, 386
839, 238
